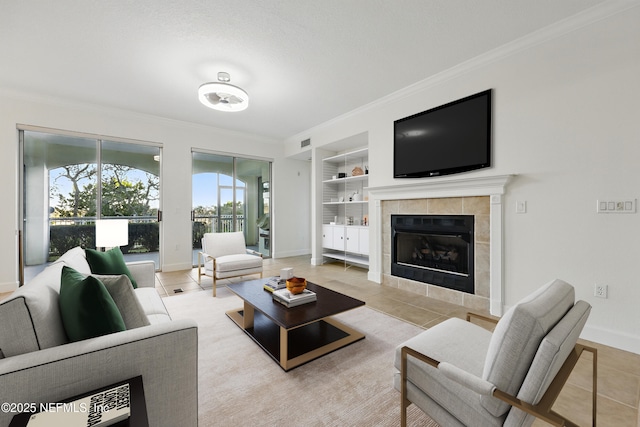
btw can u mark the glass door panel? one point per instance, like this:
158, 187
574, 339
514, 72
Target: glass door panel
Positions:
225, 221
229, 195
130, 189
211, 180
255, 197
59, 184
63, 195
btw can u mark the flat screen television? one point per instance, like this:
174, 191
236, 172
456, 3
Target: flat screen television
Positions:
451, 138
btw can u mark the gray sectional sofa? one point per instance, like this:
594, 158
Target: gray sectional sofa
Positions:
38, 364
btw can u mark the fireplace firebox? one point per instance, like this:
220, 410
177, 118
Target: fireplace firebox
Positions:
434, 249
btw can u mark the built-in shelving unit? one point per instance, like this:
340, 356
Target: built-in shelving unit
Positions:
345, 207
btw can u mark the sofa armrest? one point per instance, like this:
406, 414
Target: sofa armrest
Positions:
165, 355
466, 379
144, 272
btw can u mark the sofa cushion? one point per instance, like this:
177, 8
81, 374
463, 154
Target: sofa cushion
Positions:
86, 307
238, 262
121, 290
76, 259
109, 262
220, 244
465, 353
517, 337
30, 317
152, 305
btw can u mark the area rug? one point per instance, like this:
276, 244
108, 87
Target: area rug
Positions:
239, 384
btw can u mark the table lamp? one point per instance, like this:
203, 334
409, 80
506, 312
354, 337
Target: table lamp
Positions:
111, 233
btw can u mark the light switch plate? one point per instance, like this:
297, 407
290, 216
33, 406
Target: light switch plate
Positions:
616, 206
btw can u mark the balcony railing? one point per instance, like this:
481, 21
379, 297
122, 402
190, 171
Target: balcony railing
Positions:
91, 220
214, 224
66, 233
220, 223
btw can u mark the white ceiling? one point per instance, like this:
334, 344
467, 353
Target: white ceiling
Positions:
303, 62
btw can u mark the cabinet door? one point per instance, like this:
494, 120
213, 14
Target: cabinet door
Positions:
327, 236
364, 241
353, 240
338, 238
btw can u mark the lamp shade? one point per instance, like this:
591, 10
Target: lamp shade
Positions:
112, 232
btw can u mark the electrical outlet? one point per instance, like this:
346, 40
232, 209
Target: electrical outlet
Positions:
600, 291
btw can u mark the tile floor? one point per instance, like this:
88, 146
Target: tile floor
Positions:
618, 371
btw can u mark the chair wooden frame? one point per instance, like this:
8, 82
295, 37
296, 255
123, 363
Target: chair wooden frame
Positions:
542, 410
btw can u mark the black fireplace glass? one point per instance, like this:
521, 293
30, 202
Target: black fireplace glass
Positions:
434, 249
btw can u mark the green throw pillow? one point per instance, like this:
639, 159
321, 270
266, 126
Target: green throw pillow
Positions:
109, 262
86, 307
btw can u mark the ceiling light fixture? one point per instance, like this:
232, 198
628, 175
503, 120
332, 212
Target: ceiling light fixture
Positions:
223, 96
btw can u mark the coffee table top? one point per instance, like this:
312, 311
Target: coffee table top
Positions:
328, 304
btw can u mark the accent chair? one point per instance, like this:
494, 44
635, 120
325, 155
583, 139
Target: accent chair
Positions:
226, 255
461, 374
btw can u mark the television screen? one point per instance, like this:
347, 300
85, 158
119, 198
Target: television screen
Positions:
451, 138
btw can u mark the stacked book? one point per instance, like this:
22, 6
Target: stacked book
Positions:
274, 283
100, 409
286, 298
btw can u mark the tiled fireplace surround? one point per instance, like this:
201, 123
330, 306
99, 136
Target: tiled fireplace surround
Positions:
480, 197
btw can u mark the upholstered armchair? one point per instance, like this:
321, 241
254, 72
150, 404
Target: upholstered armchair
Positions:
461, 374
226, 255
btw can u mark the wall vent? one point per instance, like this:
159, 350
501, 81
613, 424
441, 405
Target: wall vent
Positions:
305, 143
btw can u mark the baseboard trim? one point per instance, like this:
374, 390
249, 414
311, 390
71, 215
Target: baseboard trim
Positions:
317, 261
612, 338
374, 276
176, 267
8, 287
286, 254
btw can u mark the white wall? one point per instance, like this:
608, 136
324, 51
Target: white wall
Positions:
566, 113
177, 139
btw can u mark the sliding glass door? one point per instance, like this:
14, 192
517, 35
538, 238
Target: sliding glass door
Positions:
70, 181
256, 176
228, 195
130, 189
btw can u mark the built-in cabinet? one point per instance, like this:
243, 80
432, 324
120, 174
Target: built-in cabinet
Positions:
345, 207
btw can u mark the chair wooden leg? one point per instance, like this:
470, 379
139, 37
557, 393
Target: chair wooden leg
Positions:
213, 274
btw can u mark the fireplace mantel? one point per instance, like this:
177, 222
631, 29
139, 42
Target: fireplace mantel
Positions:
493, 186
442, 187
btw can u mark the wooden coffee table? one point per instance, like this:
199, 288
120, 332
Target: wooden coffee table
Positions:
297, 335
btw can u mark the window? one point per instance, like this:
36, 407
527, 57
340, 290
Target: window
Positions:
69, 181
231, 194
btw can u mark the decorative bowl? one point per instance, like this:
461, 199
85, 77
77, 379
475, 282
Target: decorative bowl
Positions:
296, 285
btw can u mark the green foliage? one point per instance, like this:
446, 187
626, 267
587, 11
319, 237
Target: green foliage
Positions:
65, 237
124, 198
227, 208
143, 237
120, 195
205, 211
198, 230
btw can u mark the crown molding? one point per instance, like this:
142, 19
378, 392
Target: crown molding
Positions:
565, 26
67, 103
